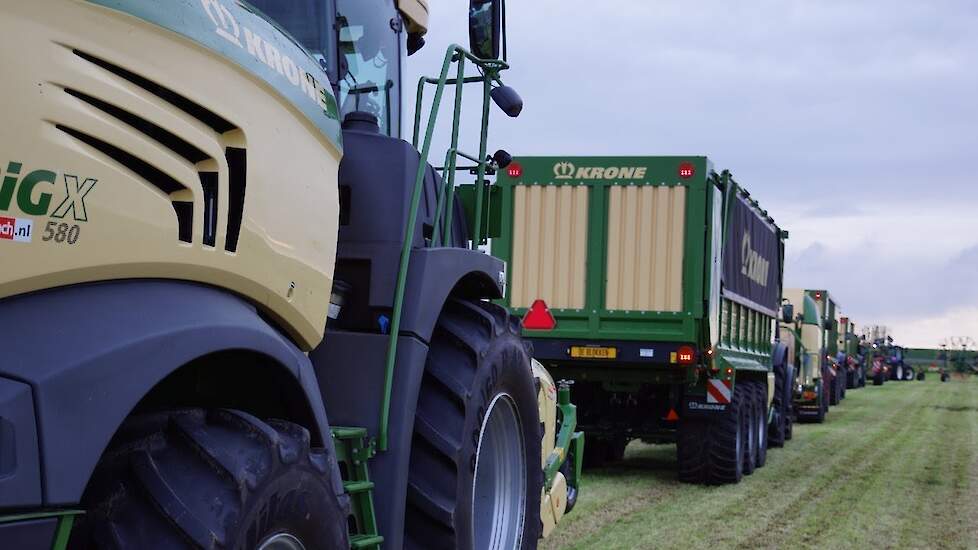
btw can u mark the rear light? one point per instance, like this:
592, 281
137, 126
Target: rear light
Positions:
818, 296
538, 317
685, 355
808, 395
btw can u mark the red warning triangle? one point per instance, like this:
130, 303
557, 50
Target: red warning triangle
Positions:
538, 317
672, 416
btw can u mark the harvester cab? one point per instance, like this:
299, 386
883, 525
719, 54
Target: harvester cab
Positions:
264, 293
806, 334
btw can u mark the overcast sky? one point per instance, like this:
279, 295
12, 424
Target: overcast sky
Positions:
855, 123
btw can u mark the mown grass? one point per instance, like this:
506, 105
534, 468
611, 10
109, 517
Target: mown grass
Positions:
892, 467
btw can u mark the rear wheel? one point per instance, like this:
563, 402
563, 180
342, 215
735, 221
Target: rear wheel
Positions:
475, 478
726, 441
834, 390
780, 405
214, 479
760, 392
908, 374
749, 428
878, 378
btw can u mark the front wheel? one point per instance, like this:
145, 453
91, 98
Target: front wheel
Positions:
217, 479
475, 476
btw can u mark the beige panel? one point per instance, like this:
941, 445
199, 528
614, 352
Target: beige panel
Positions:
645, 248
549, 246
286, 247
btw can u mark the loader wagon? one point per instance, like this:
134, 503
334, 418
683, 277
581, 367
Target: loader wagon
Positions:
654, 284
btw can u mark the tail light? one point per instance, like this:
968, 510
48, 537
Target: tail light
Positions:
685, 355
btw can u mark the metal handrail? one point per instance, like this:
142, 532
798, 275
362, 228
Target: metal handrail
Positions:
490, 69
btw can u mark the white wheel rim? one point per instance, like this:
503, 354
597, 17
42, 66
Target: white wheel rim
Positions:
499, 484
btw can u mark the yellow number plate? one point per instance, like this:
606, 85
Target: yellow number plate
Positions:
585, 352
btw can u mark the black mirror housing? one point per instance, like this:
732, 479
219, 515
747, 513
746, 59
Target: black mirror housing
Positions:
485, 28
787, 313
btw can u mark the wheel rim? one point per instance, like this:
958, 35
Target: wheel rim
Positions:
281, 541
499, 485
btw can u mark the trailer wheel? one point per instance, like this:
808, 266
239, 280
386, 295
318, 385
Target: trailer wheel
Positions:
780, 404
878, 378
750, 415
760, 393
727, 441
921, 376
823, 408
475, 478
834, 391
908, 374
221, 478
692, 450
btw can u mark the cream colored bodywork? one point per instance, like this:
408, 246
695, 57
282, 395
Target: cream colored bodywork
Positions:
645, 248
553, 503
416, 13
285, 254
549, 245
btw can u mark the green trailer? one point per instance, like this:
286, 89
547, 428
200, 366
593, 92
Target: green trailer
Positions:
654, 283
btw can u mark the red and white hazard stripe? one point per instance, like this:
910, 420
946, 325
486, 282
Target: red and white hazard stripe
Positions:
719, 391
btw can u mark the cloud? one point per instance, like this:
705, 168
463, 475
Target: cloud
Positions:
852, 122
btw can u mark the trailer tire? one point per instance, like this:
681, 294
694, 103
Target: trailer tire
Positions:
691, 450
213, 478
909, 374
475, 478
834, 391
727, 442
921, 376
760, 394
878, 378
777, 433
750, 431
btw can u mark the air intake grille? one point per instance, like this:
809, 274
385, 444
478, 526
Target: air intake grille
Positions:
235, 156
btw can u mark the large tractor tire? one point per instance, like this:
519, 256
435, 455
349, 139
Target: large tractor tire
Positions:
760, 423
879, 378
475, 477
921, 376
692, 450
711, 450
216, 479
750, 427
782, 403
834, 391
842, 385
909, 374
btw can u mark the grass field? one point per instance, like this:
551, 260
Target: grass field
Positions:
892, 467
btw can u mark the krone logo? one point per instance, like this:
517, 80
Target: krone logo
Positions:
563, 170
752, 264
226, 26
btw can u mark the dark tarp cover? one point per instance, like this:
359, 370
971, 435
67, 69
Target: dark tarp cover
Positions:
752, 257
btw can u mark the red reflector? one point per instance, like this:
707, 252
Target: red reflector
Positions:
672, 416
685, 354
687, 170
538, 317
818, 295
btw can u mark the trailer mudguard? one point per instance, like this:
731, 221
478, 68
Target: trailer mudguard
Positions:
91, 352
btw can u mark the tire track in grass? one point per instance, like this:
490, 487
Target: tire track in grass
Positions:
813, 513
703, 517
878, 511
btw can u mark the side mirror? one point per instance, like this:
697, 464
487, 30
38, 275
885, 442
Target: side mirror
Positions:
787, 313
827, 324
485, 28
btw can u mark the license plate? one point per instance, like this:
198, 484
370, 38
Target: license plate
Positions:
588, 352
